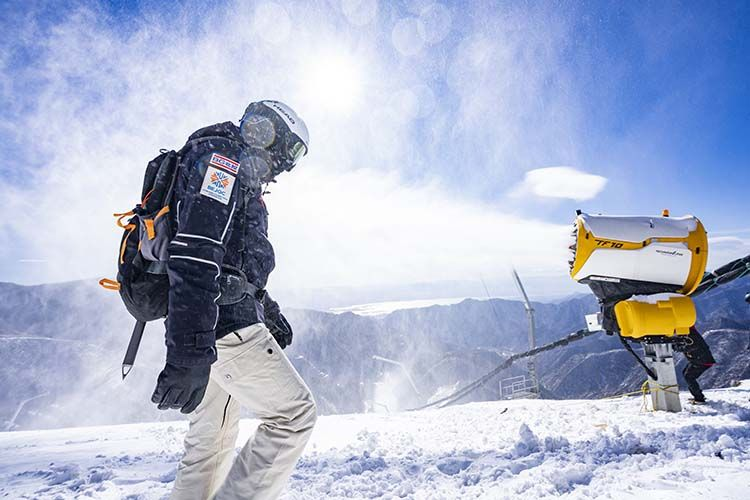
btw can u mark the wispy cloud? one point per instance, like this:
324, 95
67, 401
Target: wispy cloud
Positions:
560, 182
723, 249
732, 231
729, 240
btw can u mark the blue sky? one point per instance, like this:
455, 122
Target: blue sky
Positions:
426, 119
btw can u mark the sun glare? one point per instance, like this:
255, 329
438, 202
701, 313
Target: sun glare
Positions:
334, 80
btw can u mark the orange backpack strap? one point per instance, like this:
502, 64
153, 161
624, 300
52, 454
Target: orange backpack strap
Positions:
164, 210
129, 228
109, 284
150, 231
122, 216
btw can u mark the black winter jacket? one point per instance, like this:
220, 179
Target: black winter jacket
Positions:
221, 221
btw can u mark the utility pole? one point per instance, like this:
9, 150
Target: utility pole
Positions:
12, 422
403, 369
534, 389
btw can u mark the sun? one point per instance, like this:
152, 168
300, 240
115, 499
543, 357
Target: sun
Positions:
334, 79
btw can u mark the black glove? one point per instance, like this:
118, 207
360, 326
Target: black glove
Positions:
280, 329
276, 322
181, 387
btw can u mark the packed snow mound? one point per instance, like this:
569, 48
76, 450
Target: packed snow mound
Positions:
525, 449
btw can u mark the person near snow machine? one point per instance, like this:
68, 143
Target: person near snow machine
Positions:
224, 333
699, 359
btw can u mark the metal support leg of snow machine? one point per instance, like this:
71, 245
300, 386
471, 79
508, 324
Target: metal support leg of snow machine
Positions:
665, 394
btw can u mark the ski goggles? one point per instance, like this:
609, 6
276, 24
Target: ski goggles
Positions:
266, 133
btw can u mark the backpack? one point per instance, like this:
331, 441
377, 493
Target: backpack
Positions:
141, 267
142, 260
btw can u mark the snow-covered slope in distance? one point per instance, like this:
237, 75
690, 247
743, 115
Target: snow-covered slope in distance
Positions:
534, 449
382, 308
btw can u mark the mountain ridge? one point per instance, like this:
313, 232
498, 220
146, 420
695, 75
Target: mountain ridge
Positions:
63, 344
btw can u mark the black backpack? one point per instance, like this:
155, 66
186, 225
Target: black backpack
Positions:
142, 260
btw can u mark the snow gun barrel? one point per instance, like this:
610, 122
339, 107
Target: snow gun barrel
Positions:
621, 256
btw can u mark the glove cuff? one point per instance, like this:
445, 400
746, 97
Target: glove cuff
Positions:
202, 357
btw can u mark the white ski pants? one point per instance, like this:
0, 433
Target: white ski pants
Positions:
251, 371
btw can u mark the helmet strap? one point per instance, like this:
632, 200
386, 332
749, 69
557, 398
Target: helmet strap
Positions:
265, 187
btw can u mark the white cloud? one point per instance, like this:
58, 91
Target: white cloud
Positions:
363, 227
560, 182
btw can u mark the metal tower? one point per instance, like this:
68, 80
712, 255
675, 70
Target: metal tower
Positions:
534, 389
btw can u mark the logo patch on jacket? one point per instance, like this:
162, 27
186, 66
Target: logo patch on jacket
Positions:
225, 163
217, 184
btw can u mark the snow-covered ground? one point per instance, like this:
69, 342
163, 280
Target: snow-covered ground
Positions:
534, 449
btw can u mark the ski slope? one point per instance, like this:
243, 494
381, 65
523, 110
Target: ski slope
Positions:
535, 449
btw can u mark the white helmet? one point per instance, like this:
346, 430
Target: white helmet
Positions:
276, 128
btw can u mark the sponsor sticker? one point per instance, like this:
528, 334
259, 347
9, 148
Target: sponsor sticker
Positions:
217, 184
226, 163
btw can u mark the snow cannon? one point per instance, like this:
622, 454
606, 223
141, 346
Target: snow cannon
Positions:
642, 270
621, 256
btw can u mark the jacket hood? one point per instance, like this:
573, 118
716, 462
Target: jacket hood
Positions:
225, 129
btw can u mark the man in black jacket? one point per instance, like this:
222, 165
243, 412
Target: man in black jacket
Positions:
224, 332
699, 359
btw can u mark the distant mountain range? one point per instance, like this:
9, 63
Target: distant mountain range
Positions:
61, 347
